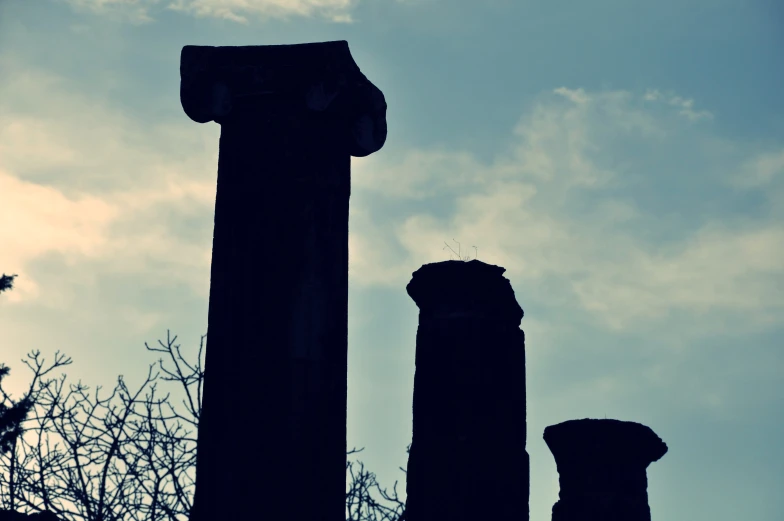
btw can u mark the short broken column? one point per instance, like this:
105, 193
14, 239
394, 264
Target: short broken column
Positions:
467, 460
272, 430
602, 469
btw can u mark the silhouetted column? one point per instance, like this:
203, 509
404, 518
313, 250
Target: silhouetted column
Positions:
467, 460
272, 431
602, 469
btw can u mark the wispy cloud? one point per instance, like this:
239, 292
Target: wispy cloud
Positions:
685, 105
561, 203
240, 11
761, 171
133, 11
39, 220
83, 181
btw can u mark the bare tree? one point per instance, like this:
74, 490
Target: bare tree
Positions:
125, 464
360, 503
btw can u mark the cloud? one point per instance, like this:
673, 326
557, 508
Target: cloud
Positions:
685, 105
652, 95
39, 220
576, 96
761, 171
445, 168
334, 10
134, 11
570, 204
719, 268
139, 11
83, 181
564, 203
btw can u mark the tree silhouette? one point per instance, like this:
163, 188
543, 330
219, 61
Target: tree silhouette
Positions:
6, 282
10, 417
139, 461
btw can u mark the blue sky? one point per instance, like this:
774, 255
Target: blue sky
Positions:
624, 161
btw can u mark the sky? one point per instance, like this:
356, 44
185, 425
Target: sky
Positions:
624, 161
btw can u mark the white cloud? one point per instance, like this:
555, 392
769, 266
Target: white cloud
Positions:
405, 180
81, 180
140, 11
38, 220
522, 213
237, 10
134, 11
685, 105
548, 208
577, 96
718, 268
761, 170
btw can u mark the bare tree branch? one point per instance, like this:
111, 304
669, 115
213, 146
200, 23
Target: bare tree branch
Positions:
124, 464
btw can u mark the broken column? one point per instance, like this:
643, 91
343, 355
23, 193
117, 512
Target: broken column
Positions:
602, 469
272, 430
467, 460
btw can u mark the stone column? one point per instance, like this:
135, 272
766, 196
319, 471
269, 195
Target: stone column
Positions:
467, 460
272, 431
602, 469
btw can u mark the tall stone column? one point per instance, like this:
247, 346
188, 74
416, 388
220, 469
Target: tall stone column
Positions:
272, 431
467, 460
602, 469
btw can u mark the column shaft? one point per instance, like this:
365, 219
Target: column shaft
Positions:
272, 432
467, 460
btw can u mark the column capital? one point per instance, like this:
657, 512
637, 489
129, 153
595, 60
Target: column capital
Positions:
577, 442
216, 82
442, 289
602, 469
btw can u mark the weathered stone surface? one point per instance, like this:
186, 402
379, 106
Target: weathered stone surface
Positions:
602, 469
10, 515
272, 431
467, 460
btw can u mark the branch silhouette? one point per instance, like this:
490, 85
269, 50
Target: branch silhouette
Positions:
6, 282
142, 461
466, 258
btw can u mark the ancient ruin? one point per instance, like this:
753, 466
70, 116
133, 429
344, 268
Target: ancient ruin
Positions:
467, 460
602, 469
272, 432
